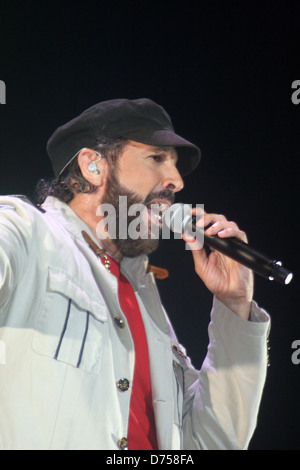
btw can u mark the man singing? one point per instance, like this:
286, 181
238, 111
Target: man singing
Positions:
92, 359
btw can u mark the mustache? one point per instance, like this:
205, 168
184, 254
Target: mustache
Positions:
166, 194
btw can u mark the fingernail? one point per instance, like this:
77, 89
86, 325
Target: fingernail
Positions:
188, 238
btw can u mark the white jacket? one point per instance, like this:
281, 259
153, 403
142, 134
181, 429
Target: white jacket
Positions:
65, 351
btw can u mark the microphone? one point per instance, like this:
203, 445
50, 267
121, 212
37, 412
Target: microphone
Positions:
179, 220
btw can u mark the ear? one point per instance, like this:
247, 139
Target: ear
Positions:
88, 159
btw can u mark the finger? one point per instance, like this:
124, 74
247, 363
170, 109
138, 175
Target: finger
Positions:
226, 229
203, 219
221, 224
199, 213
231, 232
199, 254
193, 241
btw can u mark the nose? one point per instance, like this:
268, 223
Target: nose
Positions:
172, 179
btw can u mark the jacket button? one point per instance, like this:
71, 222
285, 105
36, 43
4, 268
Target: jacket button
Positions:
119, 322
123, 385
123, 443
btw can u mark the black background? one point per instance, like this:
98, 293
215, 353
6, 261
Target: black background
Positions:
223, 70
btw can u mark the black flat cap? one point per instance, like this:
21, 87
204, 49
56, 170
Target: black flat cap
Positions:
139, 120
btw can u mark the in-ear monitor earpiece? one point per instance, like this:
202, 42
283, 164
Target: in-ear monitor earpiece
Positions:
92, 166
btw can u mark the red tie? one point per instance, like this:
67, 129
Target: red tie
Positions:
141, 429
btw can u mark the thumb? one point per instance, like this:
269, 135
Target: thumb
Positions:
198, 251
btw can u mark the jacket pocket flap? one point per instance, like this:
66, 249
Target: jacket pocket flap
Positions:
72, 326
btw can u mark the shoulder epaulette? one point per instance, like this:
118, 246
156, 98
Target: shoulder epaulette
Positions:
28, 201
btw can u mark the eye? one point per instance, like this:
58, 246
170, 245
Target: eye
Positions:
158, 157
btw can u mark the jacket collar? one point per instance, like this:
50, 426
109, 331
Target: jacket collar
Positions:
135, 269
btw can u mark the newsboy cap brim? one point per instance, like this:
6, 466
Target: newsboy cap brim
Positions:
139, 120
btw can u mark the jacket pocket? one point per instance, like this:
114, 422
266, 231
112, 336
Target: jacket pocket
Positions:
71, 327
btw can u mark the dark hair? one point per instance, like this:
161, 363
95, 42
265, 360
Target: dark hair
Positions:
71, 180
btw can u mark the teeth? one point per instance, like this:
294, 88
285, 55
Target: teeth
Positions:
156, 213
161, 206
157, 209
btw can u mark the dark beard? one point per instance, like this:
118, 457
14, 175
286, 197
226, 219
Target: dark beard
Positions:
127, 246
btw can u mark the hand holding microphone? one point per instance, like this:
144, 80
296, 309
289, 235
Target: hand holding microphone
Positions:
228, 270
179, 218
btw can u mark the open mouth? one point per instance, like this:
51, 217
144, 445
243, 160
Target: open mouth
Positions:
157, 208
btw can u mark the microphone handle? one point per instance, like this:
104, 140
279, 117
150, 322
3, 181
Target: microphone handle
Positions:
241, 252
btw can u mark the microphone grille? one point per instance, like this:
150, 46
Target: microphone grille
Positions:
177, 216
